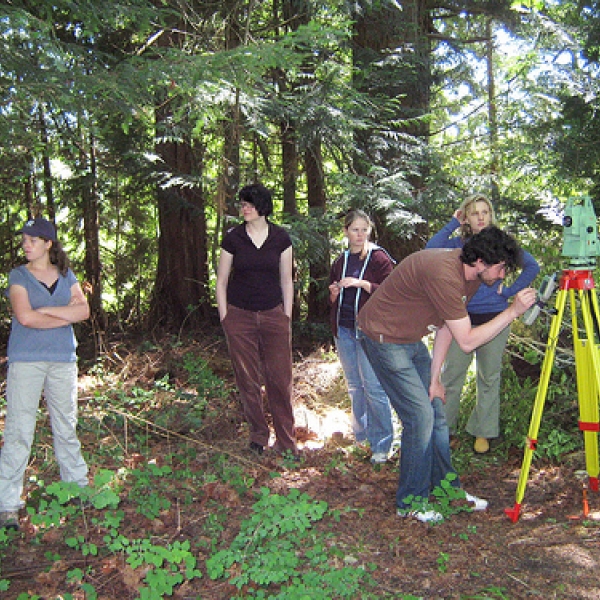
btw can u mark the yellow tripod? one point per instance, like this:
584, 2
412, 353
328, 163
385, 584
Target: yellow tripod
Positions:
578, 286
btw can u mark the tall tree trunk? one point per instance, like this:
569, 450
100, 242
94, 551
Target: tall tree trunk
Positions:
229, 183
492, 114
318, 305
289, 159
181, 287
33, 206
294, 14
180, 296
383, 29
48, 188
93, 266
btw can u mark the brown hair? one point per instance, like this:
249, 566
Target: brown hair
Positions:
59, 257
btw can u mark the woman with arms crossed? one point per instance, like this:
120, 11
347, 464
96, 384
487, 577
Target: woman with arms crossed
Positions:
46, 300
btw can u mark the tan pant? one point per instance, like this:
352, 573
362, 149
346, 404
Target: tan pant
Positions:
25, 383
260, 349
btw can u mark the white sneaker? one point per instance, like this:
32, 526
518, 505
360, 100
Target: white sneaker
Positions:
424, 516
478, 503
378, 458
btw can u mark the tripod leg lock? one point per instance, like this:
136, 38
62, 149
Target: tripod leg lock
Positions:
589, 426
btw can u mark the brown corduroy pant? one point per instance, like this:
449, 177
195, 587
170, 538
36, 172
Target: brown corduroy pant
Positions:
260, 348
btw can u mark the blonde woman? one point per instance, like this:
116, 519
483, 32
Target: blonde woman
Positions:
473, 215
354, 276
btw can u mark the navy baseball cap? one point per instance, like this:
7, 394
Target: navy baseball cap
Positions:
39, 227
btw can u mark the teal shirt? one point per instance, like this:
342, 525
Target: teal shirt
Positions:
27, 344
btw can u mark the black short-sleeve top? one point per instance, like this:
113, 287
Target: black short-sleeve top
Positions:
254, 283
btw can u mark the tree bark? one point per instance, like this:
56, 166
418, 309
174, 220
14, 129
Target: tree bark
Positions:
91, 226
181, 288
180, 296
382, 30
48, 187
492, 115
317, 301
289, 153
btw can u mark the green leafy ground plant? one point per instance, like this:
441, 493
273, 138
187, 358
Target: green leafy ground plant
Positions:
445, 499
274, 547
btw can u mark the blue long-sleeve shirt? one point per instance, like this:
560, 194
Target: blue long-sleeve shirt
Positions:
486, 300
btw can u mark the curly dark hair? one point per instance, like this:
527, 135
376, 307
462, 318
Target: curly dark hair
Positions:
492, 246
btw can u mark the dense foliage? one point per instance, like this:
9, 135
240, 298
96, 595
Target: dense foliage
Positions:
134, 124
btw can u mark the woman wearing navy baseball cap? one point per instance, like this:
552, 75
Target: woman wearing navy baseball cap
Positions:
46, 300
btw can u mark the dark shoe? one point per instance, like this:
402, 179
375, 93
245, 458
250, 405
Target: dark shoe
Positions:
257, 448
9, 519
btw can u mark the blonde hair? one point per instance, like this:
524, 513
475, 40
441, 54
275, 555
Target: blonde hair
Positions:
351, 216
467, 205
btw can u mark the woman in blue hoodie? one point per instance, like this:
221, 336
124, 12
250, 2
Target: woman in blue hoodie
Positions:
354, 276
474, 214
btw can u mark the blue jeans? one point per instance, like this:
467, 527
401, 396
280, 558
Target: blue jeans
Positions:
371, 412
404, 371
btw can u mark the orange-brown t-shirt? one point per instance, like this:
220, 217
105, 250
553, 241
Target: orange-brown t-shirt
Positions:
426, 289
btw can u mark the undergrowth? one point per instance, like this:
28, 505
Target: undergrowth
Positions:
284, 548
558, 431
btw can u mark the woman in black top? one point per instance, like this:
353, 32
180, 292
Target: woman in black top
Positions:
254, 297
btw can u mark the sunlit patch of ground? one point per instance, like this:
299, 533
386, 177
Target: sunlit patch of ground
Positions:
321, 403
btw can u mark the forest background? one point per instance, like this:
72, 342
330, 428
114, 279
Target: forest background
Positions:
133, 124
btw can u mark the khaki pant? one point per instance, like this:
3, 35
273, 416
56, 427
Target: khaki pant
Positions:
260, 349
25, 383
484, 421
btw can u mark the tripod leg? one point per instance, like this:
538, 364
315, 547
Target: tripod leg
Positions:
587, 365
538, 406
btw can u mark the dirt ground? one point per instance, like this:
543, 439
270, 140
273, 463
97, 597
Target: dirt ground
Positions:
552, 551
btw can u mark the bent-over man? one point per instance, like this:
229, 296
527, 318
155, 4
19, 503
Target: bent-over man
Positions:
428, 292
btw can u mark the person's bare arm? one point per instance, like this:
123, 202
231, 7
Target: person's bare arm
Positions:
77, 310
223, 272
441, 344
286, 267
48, 317
469, 338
